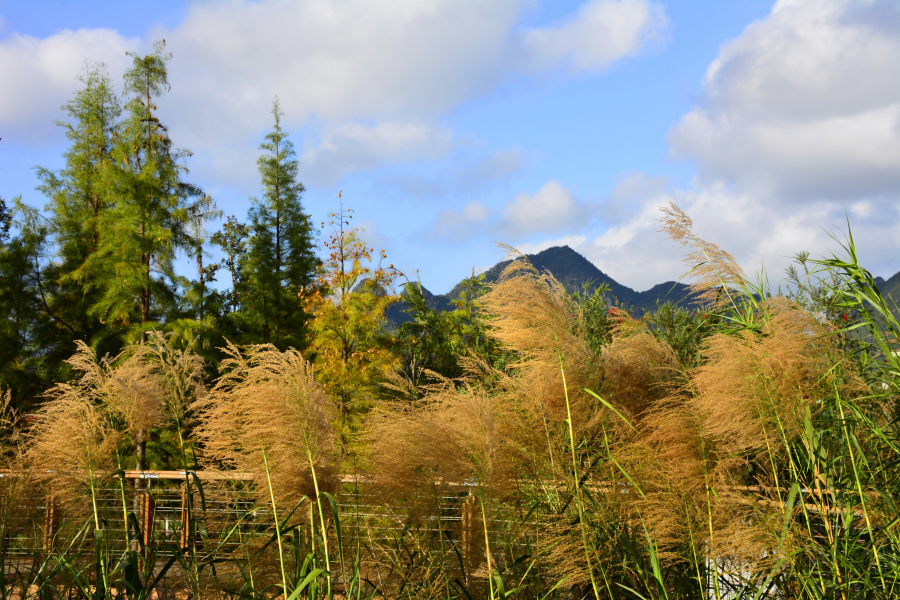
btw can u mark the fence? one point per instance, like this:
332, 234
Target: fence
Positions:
226, 512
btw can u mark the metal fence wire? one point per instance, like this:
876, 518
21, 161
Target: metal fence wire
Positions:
227, 516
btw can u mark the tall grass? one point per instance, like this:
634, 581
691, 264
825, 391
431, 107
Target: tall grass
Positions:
747, 447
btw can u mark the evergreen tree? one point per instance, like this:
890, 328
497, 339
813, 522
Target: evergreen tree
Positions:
32, 343
154, 208
79, 197
205, 301
280, 261
153, 216
232, 239
5, 222
200, 307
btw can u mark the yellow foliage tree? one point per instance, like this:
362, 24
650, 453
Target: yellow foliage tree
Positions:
349, 347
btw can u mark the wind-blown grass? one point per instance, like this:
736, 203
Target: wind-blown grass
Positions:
747, 448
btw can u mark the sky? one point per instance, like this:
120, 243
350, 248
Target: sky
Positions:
451, 125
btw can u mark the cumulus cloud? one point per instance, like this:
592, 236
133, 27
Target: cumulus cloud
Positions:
353, 147
797, 130
366, 72
38, 76
399, 59
551, 209
598, 34
803, 104
629, 194
572, 241
760, 235
462, 224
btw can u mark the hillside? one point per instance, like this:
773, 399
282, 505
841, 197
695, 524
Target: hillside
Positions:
890, 288
573, 271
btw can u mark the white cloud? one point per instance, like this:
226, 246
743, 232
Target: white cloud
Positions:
370, 233
464, 171
39, 75
366, 72
463, 224
798, 129
551, 209
805, 103
598, 34
572, 241
759, 234
629, 194
354, 147
397, 59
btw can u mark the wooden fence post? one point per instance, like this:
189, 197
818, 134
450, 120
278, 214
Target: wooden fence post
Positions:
148, 513
467, 536
185, 517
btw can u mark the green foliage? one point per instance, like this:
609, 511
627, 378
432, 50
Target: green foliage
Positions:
232, 239
5, 222
33, 344
429, 342
280, 259
596, 315
155, 213
80, 196
684, 330
48, 287
434, 341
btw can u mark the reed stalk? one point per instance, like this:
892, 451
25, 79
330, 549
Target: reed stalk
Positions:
284, 585
312, 468
577, 477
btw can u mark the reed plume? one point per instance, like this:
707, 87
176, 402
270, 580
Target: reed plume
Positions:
714, 270
533, 316
755, 387
178, 373
11, 439
452, 437
73, 444
267, 407
18, 496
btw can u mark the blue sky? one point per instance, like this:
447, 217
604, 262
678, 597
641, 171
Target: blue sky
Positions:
450, 125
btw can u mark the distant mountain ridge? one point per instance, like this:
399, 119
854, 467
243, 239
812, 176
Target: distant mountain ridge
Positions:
572, 270
890, 289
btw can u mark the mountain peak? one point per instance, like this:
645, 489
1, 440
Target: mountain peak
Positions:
572, 270
569, 267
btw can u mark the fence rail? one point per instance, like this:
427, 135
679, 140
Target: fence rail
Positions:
160, 502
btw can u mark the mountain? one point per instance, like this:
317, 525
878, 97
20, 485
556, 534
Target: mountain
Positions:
890, 289
572, 270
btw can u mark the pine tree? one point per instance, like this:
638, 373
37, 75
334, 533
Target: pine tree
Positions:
5, 222
154, 208
200, 308
32, 344
154, 214
79, 197
232, 239
281, 260
204, 300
